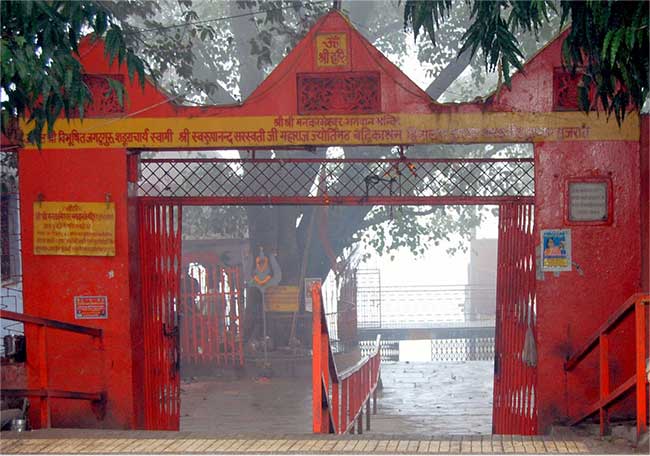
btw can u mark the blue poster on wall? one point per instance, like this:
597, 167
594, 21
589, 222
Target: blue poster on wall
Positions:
556, 250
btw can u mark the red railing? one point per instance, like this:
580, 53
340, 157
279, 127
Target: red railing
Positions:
338, 398
636, 305
45, 393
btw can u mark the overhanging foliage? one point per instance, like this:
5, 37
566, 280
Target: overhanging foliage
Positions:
607, 43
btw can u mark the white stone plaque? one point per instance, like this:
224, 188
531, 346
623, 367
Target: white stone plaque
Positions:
588, 201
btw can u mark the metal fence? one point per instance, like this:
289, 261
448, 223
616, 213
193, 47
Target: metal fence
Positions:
389, 349
11, 292
422, 306
212, 306
342, 181
339, 301
462, 349
442, 350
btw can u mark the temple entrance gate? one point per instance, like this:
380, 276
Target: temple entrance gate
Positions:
96, 161
514, 406
165, 185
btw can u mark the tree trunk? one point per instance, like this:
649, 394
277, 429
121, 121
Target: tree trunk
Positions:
274, 228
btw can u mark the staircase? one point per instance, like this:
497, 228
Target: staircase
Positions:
636, 307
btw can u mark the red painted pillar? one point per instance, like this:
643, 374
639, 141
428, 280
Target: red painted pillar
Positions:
51, 283
572, 305
644, 166
641, 332
317, 363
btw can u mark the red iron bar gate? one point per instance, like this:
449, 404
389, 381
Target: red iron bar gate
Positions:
515, 376
212, 308
160, 263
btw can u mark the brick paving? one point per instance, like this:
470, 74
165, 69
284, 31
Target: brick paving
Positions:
81, 442
424, 409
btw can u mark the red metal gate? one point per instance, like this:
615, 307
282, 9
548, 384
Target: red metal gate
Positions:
515, 375
212, 310
160, 262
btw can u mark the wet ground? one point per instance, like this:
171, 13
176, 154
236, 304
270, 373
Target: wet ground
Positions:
246, 406
417, 398
435, 398
423, 410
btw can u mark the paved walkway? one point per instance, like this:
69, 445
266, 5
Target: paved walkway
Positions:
425, 408
417, 398
79, 442
435, 398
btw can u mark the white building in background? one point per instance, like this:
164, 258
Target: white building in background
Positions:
482, 279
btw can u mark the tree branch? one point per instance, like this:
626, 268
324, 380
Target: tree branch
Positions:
449, 74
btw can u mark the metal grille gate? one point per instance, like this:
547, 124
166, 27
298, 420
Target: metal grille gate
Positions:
515, 375
166, 184
160, 263
212, 309
340, 181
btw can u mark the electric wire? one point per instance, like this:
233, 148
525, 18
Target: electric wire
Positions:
219, 19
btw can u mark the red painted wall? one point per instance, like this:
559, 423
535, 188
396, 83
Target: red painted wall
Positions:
532, 91
51, 283
572, 306
644, 159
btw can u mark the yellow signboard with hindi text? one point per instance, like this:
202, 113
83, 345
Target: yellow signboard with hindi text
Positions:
311, 130
71, 228
332, 50
282, 298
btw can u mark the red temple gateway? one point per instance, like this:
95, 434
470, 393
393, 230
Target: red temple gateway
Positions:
335, 88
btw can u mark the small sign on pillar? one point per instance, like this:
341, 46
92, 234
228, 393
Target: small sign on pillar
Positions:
589, 201
90, 307
309, 283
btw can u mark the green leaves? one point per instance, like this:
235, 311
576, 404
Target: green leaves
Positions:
117, 88
608, 42
491, 33
429, 14
40, 75
492, 28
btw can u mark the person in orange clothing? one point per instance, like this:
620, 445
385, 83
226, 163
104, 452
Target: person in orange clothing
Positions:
552, 249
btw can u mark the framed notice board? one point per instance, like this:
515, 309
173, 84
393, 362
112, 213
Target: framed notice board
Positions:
588, 201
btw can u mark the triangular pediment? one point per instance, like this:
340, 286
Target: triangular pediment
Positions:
332, 70
335, 70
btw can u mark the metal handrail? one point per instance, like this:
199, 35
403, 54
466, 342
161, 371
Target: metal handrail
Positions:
48, 323
352, 369
337, 409
44, 392
635, 304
